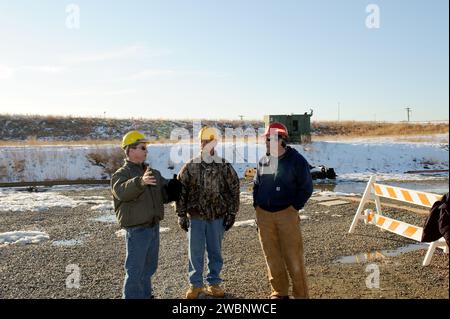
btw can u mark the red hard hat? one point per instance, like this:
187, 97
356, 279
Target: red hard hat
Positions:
276, 128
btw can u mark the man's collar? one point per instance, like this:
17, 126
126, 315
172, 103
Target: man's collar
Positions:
208, 158
128, 162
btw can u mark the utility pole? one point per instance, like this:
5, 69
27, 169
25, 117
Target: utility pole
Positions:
339, 111
408, 112
241, 117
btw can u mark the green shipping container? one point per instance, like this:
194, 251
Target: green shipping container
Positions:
298, 125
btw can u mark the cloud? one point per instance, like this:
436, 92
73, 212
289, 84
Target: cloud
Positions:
49, 69
152, 73
120, 92
127, 52
148, 73
101, 93
6, 72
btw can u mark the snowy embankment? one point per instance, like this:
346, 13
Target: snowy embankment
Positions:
352, 160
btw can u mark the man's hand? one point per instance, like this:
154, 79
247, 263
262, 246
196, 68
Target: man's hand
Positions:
183, 222
228, 221
148, 178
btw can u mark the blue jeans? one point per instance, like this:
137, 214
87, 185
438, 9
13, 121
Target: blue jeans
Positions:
207, 233
141, 261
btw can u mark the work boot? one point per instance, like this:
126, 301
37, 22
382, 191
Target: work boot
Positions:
215, 291
193, 292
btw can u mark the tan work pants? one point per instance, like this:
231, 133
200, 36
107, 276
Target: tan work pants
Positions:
282, 244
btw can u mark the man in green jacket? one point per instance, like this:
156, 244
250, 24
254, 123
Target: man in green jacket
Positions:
139, 194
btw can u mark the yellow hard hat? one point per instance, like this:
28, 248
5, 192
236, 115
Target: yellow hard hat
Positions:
208, 133
133, 137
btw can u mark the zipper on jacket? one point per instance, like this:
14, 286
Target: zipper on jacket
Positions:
151, 194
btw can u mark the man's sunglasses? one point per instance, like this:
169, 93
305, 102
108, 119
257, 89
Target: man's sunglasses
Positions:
143, 148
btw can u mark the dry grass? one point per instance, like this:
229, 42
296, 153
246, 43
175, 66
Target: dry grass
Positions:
52, 118
3, 170
19, 166
376, 129
110, 160
36, 142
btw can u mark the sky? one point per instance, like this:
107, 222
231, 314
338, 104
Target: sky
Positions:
346, 60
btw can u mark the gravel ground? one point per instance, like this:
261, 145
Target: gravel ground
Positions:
39, 270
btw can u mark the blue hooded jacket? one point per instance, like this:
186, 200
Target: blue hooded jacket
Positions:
276, 187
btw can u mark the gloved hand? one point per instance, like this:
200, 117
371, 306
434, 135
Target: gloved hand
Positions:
174, 189
183, 222
228, 221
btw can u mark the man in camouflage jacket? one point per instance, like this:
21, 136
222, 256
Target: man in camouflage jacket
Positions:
207, 207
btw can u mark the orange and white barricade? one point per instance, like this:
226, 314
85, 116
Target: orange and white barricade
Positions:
395, 226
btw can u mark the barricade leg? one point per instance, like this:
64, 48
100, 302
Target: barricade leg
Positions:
430, 252
364, 199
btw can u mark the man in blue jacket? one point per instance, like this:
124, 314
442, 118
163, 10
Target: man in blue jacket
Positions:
281, 188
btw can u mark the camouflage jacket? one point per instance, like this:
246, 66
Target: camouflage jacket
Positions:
210, 189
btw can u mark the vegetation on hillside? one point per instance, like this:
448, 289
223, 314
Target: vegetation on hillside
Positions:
39, 130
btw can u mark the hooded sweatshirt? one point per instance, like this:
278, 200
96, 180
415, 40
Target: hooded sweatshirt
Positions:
282, 182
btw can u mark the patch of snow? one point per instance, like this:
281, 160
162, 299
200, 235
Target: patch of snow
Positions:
415, 139
19, 202
67, 243
364, 177
121, 233
23, 237
88, 198
245, 223
164, 229
107, 206
80, 188
246, 198
105, 219
13, 201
